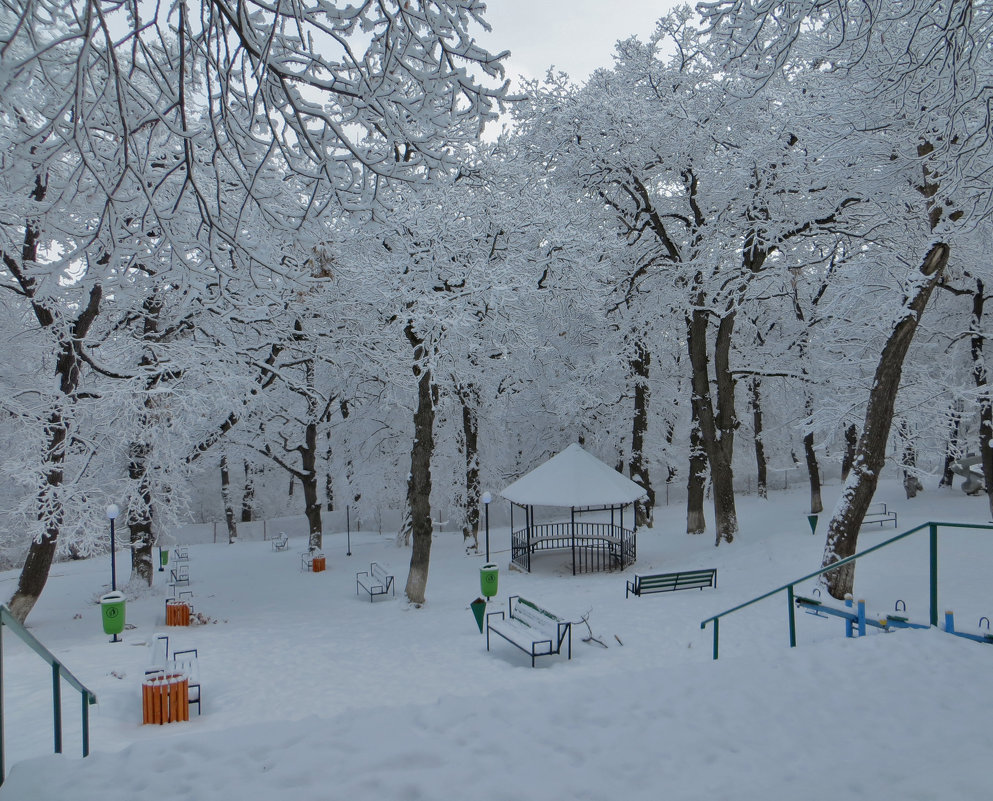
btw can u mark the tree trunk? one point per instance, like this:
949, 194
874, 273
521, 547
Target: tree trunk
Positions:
328, 477
139, 515
761, 470
68, 366
696, 521
419, 480
640, 365
870, 453
469, 397
309, 482
981, 378
226, 499
813, 469
952, 447
851, 442
644, 509
34, 574
716, 430
141, 550
248, 496
911, 483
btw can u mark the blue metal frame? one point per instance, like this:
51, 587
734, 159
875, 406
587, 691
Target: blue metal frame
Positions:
932, 528
59, 672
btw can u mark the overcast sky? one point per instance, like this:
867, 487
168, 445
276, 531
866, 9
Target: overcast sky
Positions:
576, 36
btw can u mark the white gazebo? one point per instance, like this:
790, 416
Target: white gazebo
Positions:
578, 481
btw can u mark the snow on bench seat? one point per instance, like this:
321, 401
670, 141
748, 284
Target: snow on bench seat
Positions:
534, 630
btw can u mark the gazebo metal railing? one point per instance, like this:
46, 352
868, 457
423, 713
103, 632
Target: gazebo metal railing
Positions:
595, 547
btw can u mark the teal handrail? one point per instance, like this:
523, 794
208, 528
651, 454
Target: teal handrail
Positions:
788, 588
59, 672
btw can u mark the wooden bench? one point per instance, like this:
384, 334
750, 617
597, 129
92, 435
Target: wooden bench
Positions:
534, 630
878, 513
280, 542
670, 582
374, 581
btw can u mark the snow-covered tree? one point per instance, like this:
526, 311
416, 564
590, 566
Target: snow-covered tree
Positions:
157, 141
917, 74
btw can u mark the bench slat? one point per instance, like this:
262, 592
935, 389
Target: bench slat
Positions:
534, 630
375, 581
670, 582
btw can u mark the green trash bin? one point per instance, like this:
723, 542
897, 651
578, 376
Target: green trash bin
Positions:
489, 576
163, 558
112, 608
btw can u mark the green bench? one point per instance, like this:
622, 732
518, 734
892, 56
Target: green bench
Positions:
670, 582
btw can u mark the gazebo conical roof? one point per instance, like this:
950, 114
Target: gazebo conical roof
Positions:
573, 478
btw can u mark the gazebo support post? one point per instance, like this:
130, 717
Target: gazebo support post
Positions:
529, 515
572, 522
511, 531
620, 511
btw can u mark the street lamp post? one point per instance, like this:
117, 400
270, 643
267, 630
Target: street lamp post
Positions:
112, 512
486, 507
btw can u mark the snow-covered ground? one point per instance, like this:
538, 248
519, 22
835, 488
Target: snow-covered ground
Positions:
312, 692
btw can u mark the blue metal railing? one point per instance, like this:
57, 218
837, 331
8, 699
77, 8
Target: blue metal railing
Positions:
59, 673
788, 588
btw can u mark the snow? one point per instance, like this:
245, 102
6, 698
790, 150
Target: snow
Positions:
312, 692
573, 477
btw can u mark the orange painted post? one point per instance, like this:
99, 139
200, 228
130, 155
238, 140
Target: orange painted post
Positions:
146, 703
154, 703
159, 704
184, 699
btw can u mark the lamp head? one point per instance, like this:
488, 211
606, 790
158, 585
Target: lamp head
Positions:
487, 498
113, 511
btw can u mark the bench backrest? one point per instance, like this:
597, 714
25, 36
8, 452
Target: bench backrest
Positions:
379, 574
876, 509
688, 578
535, 617
187, 662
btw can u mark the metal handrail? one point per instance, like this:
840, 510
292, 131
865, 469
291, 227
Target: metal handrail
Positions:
788, 588
59, 672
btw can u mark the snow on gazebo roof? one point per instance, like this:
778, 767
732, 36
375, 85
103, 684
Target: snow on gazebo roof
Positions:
573, 478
